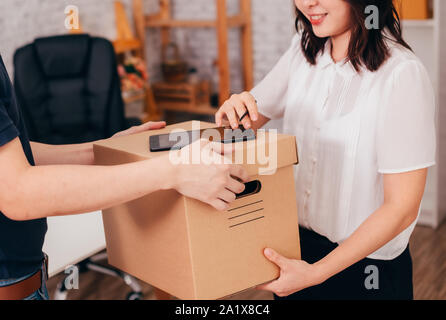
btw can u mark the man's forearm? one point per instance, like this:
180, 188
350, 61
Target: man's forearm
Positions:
69, 189
45, 154
381, 227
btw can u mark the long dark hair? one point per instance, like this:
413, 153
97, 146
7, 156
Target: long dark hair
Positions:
368, 47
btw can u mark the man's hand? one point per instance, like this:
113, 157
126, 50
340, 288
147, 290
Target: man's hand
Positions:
211, 180
144, 127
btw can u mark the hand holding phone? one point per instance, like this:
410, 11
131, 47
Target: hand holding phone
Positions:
240, 108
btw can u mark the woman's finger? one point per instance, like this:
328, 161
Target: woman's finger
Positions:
251, 105
224, 122
272, 286
241, 113
219, 117
232, 117
273, 256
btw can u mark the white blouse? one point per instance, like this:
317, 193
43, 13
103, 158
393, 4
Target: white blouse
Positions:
351, 129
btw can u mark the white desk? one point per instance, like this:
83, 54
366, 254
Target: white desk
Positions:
72, 239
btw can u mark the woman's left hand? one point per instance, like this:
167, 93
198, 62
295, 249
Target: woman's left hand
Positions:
295, 275
144, 127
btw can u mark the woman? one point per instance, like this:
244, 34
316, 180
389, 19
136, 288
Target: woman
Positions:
362, 108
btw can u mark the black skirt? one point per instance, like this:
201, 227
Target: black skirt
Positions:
365, 280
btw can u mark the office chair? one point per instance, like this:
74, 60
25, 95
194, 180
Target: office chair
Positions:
69, 92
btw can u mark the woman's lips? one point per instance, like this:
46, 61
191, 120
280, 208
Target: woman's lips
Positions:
317, 19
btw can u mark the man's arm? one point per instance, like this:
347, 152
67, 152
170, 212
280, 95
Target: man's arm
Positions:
28, 192
45, 154
81, 154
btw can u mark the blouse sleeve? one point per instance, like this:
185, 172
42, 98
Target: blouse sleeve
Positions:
406, 133
271, 92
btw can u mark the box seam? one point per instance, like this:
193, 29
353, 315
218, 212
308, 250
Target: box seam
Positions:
194, 286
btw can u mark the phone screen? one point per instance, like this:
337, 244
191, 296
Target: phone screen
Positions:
178, 140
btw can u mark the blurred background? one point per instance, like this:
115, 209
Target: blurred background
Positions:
272, 29
177, 60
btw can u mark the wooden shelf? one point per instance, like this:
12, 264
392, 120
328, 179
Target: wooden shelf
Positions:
222, 22
156, 22
122, 46
125, 42
169, 23
202, 109
135, 97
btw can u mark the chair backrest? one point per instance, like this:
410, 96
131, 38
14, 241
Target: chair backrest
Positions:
68, 89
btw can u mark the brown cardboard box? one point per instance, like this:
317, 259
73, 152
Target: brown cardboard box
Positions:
186, 247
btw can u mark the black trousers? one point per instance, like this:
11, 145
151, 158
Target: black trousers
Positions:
365, 280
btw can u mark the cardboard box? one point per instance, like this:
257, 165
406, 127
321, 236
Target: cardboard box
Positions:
186, 247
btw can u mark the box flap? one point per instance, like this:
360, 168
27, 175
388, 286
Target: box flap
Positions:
261, 156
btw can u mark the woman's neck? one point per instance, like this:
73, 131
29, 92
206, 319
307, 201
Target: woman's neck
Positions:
339, 46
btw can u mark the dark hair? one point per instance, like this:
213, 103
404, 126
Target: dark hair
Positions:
368, 47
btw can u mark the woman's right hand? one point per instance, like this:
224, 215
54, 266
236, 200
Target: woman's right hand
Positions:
211, 181
235, 108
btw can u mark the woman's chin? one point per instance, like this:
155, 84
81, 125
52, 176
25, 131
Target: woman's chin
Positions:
320, 33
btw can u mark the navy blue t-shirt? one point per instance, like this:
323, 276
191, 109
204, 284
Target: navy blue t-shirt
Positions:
20, 242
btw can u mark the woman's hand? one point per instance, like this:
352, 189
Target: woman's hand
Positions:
295, 275
144, 127
235, 108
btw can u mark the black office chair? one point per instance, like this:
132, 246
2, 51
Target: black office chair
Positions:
69, 92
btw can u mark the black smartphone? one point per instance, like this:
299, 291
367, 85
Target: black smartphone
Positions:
178, 140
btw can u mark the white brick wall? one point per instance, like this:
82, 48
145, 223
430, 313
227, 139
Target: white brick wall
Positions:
23, 20
441, 167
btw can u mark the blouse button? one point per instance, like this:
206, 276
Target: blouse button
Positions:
307, 192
